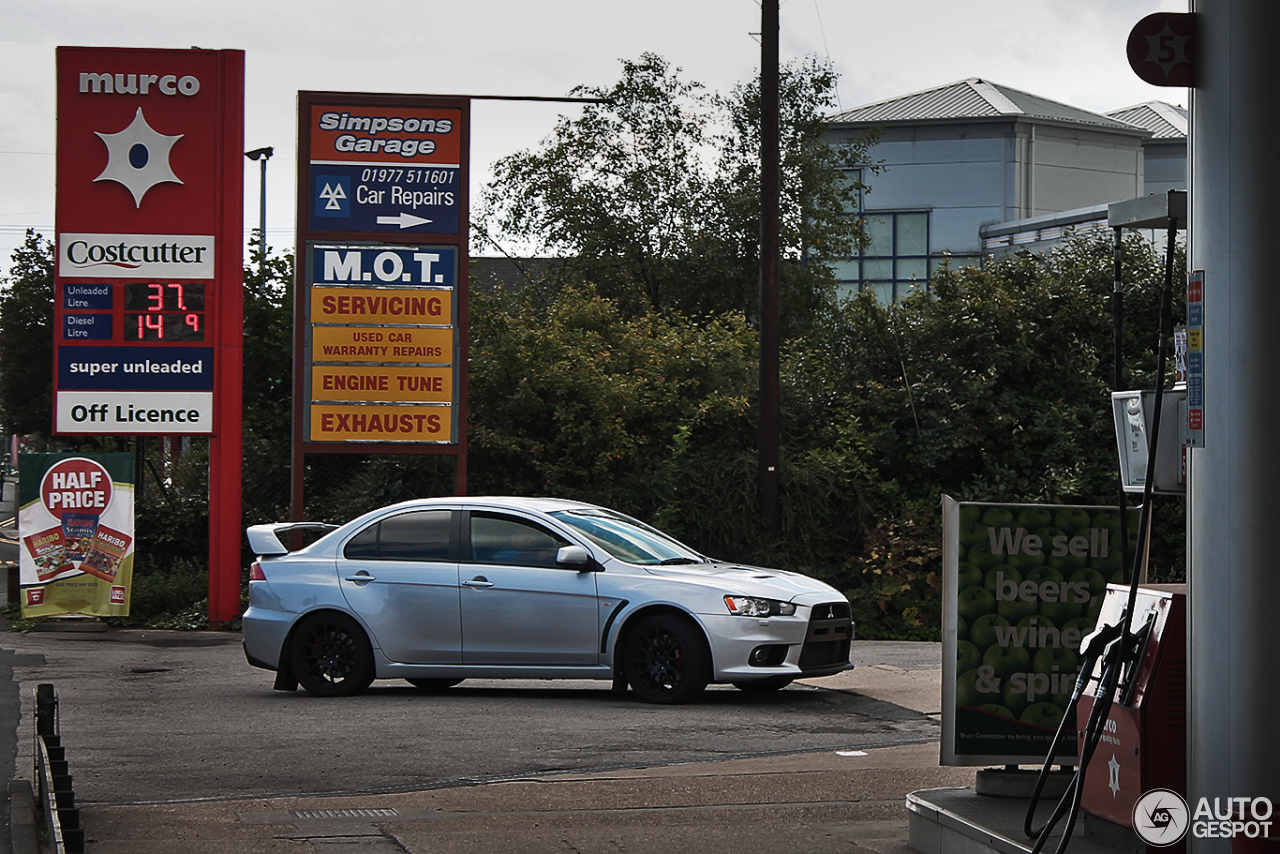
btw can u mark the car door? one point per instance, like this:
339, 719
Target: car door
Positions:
400, 578
518, 606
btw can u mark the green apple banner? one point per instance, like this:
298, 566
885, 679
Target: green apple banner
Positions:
75, 521
1022, 585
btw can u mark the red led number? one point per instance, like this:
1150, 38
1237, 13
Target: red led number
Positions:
150, 321
164, 311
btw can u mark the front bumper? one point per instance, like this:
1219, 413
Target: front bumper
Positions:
809, 644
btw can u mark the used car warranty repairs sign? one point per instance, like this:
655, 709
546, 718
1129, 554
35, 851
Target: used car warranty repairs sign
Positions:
75, 520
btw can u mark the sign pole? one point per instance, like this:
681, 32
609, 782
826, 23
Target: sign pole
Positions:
226, 445
148, 301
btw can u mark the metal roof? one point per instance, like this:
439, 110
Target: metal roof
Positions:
975, 98
1165, 121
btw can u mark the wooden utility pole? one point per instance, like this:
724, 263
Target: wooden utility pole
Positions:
770, 169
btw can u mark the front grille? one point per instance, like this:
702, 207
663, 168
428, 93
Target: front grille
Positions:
826, 643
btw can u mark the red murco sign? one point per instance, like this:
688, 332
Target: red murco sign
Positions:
149, 256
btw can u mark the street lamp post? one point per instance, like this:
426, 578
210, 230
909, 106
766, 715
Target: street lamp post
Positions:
262, 155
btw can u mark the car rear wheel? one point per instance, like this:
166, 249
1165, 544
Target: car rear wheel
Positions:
433, 684
666, 659
331, 656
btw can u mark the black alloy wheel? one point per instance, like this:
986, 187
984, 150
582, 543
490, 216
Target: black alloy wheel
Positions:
331, 656
666, 659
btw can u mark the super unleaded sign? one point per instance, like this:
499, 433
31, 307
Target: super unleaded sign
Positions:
149, 204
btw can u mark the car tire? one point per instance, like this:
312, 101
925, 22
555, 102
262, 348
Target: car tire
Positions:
433, 684
666, 659
764, 686
331, 656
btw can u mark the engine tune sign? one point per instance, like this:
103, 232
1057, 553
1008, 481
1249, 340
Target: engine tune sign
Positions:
385, 169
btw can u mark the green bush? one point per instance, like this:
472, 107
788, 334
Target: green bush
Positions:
174, 595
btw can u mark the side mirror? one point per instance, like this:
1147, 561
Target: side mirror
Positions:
575, 557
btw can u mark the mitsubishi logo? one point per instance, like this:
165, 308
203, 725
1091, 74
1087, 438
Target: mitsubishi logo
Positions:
138, 158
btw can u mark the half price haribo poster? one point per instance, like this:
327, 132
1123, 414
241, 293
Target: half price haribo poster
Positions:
75, 523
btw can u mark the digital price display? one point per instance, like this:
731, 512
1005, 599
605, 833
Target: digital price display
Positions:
164, 311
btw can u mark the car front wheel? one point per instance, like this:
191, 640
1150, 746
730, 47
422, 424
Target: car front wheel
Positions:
666, 659
331, 656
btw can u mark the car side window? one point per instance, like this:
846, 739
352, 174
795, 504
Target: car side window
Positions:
421, 535
508, 540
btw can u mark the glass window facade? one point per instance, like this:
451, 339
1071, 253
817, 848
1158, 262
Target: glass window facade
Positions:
896, 259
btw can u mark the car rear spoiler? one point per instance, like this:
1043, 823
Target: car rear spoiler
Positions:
265, 539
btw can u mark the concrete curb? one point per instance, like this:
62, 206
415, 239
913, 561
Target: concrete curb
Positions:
24, 836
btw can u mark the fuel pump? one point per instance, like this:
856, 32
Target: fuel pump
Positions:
1142, 745
1129, 702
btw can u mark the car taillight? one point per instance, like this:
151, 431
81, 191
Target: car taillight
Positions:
256, 573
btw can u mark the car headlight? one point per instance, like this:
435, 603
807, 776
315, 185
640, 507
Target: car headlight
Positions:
751, 606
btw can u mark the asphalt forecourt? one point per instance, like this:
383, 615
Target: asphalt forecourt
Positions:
173, 731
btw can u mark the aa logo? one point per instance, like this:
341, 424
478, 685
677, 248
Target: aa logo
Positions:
1161, 817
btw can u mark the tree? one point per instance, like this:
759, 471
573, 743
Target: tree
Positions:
820, 193
26, 339
652, 195
994, 386
580, 400
268, 385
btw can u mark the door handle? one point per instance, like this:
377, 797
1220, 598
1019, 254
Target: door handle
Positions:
479, 583
360, 577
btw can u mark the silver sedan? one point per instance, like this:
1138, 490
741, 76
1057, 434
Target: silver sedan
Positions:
438, 590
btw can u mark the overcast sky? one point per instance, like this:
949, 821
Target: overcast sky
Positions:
1067, 50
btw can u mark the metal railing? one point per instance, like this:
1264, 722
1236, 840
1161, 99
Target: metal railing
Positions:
56, 797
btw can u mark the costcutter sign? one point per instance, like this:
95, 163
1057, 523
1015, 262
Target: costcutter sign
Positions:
148, 270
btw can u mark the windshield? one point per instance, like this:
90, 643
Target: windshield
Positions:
626, 539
